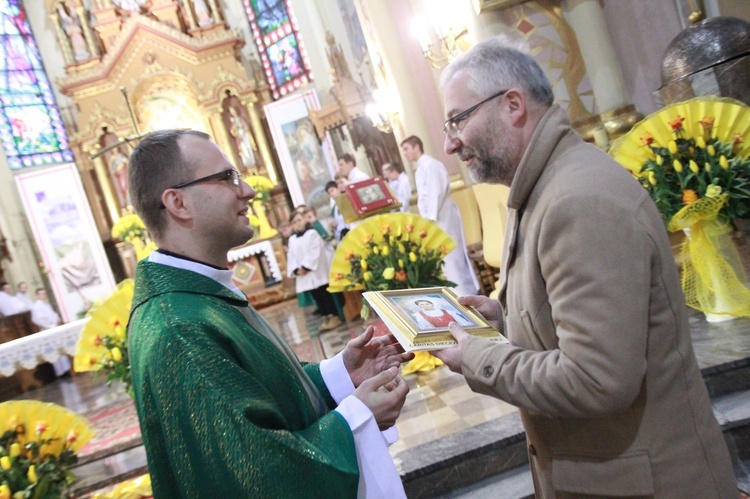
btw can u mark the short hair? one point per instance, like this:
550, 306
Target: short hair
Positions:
295, 214
413, 140
348, 158
338, 176
396, 166
420, 300
499, 63
309, 209
156, 164
331, 184
38, 290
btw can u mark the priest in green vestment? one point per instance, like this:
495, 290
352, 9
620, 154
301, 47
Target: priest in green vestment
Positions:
225, 407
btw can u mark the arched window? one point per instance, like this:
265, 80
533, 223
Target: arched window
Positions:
31, 130
281, 50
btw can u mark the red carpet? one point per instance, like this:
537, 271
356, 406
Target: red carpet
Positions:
116, 429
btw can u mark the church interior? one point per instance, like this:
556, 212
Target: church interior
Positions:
285, 88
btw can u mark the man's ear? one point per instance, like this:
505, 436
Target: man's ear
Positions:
516, 106
176, 203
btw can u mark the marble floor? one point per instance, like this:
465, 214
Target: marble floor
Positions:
441, 417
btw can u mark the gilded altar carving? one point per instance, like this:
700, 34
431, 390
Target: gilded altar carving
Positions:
160, 64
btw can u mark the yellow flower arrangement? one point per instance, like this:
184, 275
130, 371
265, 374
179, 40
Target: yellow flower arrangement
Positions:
685, 149
262, 187
130, 229
103, 344
38, 447
694, 160
381, 254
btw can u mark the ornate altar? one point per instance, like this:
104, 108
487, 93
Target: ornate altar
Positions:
136, 66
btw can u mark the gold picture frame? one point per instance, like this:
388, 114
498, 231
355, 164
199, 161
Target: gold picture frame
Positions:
419, 317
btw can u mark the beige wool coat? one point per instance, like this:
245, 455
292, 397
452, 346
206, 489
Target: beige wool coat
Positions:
601, 362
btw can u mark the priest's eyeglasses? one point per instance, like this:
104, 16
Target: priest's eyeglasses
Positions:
230, 174
451, 125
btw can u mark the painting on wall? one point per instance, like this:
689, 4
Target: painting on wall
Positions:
67, 238
307, 163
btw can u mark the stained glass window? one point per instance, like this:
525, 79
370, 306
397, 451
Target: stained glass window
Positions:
281, 50
31, 130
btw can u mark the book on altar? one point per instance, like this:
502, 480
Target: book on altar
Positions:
419, 317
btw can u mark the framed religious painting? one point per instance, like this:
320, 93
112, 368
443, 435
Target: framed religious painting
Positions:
307, 163
419, 317
67, 238
366, 198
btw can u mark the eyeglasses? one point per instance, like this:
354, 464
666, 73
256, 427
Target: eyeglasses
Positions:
451, 125
230, 174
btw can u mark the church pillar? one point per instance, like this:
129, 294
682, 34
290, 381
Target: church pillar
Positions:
264, 149
63, 40
312, 30
192, 23
616, 111
405, 79
215, 11
105, 182
587, 19
87, 33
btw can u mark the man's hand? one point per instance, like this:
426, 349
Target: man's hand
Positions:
489, 308
365, 357
384, 395
452, 356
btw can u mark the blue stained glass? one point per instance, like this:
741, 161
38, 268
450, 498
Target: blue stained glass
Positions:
31, 130
280, 46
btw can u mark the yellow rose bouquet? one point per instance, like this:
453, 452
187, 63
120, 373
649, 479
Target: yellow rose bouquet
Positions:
262, 187
38, 447
391, 251
103, 343
130, 229
693, 158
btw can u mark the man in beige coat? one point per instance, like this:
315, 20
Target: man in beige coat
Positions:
600, 363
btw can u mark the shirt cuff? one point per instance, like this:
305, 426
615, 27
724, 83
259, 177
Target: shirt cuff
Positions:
336, 378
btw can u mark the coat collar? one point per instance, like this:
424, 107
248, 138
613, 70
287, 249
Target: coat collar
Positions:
550, 130
553, 125
153, 279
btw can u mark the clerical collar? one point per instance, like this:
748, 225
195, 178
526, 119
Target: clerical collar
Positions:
308, 226
222, 276
183, 257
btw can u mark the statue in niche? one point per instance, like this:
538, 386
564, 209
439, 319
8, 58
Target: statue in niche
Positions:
243, 139
117, 163
71, 25
237, 122
202, 14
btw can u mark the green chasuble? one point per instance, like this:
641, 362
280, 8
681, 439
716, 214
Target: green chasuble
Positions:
221, 410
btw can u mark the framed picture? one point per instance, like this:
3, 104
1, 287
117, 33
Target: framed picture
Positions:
366, 198
307, 163
67, 238
419, 317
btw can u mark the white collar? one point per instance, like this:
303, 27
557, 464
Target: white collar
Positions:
223, 277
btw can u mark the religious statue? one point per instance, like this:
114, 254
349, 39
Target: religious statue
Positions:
243, 139
238, 124
117, 164
71, 25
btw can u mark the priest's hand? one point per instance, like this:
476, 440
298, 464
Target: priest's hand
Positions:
452, 356
384, 395
489, 308
365, 356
